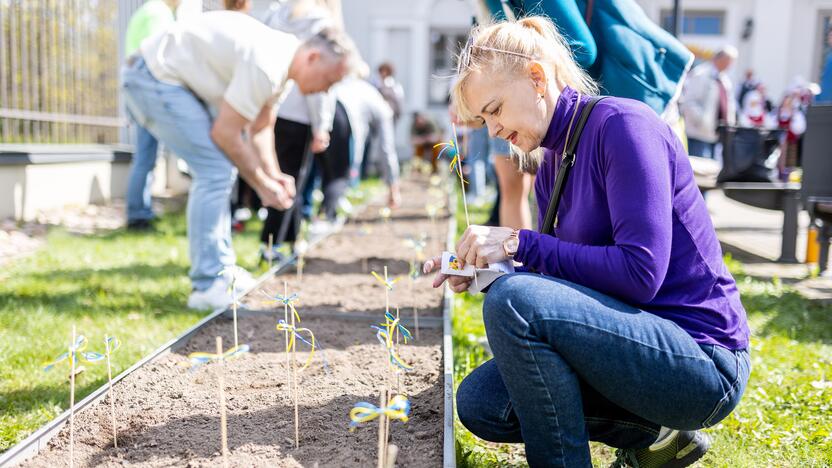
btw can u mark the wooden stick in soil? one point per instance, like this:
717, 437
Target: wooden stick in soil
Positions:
111, 395
398, 374
72, 400
415, 307
286, 336
392, 453
462, 187
234, 308
382, 440
295, 387
221, 385
269, 252
386, 292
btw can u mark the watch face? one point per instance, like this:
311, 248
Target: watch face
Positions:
511, 244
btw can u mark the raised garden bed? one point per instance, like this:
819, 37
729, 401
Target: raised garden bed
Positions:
168, 415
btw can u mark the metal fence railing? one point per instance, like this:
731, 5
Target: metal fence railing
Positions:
59, 69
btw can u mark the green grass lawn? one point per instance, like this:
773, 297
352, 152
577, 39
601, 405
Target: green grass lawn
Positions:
785, 417
134, 286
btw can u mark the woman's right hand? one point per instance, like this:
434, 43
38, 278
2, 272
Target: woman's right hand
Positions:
458, 284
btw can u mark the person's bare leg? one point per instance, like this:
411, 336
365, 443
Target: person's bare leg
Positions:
514, 194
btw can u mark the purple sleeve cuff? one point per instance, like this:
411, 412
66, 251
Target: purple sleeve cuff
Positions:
524, 236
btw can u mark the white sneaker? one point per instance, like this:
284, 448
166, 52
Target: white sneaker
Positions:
244, 279
345, 206
242, 214
213, 298
322, 227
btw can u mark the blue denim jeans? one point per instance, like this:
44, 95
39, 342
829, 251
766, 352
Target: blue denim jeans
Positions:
140, 180
701, 148
178, 119
573, 365
476, 160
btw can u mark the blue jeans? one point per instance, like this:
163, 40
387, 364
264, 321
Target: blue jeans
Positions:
178, 119
476, 160
573, 365
139, 183
701, 148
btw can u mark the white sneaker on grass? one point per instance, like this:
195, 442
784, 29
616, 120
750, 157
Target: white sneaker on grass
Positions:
213, 298
245, 280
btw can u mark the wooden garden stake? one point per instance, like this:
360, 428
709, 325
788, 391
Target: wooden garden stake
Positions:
386, 291
398, 374
300, 247
415, 305
72, 400
221, 384
234, 307
112, 396
295, 387
286, 336
461, 179
233, 290
392, 453
382, 438
270, 255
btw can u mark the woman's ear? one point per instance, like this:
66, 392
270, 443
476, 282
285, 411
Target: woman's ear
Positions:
538, 76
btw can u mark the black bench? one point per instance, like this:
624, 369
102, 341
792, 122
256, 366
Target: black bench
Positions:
817, 174
744, 151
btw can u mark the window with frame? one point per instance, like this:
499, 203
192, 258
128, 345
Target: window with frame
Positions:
696, 22
444, 47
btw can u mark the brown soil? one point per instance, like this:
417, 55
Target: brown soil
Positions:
169, 416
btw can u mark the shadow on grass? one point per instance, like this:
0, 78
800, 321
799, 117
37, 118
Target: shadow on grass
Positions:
82, 288
790, 314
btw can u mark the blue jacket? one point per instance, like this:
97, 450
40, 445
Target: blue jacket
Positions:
621, 48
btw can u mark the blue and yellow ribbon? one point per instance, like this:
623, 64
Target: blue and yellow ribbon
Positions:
199, 358
388, 283
295, 332
75, 352
392, 323
453, 152
112, 343
384, 338
289, 300
397, 408
232, 285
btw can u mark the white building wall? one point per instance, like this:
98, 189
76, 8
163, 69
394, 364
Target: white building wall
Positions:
786, 39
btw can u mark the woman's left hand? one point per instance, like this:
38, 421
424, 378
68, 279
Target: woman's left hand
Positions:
483, 245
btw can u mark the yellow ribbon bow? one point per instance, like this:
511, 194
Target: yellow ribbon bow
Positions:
397, 408
296, 332
388, 283
200, 358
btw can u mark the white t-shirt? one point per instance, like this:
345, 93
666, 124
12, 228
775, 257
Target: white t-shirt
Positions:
224, 55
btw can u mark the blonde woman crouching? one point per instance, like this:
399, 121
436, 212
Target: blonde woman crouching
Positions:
625, 326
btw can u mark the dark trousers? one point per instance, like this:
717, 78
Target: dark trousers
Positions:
290, 141
334, 163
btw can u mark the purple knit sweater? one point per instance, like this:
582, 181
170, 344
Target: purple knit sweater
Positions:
632, 222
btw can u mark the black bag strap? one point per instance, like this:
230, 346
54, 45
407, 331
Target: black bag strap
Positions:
550, 221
